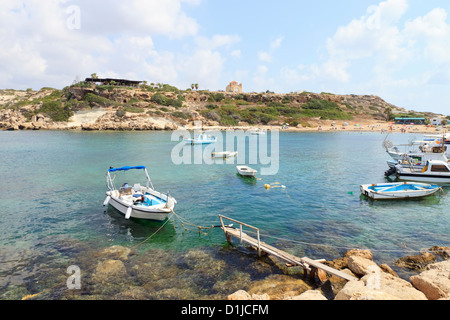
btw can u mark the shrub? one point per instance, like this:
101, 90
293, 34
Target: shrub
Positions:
104, 102
56, 111
181, 115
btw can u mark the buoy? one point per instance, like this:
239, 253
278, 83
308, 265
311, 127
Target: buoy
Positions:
128, 214
106, 200
267, 186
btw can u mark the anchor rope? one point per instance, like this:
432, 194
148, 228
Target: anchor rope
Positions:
410, 250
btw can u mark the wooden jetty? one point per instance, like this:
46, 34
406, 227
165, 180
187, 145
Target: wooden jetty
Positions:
314, 266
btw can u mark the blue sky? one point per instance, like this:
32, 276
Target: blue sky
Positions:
396, 49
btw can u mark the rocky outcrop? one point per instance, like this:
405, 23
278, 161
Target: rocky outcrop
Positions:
434, 282
416, 262
377, 282
130, 121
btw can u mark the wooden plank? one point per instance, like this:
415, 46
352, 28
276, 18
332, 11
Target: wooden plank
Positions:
305, 262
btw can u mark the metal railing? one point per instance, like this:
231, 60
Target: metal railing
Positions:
240, 230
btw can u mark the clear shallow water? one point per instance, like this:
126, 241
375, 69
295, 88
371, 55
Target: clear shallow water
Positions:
53, 186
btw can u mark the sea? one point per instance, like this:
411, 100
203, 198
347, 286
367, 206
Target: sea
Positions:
52, 189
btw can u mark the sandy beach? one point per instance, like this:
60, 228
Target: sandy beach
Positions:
341, 126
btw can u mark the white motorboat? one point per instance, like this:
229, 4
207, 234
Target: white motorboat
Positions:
417, 158
138, 201
399, 190
257, 131
200, 138
435, 171
246, 171
224, 155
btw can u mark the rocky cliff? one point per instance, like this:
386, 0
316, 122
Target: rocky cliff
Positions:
145, 108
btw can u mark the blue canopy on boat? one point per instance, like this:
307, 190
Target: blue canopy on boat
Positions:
125, 168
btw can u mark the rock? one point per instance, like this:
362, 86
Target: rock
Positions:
350, 289
388, 269
109, 269
435, 281
309, 295
444, 252
416, 262
388, 287
279, 287
240, 295
367, 254
116, 252
359, 265
244, 295
264, 296
373, 295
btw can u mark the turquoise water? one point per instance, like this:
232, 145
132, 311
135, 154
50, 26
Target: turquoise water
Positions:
53, 186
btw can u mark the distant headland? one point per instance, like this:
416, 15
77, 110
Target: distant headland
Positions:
120, 104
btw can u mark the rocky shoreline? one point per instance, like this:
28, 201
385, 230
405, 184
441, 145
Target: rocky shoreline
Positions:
376, 282
121, 273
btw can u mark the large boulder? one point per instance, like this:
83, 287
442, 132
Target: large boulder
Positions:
309, 295
435, 281
379, 286
359, 265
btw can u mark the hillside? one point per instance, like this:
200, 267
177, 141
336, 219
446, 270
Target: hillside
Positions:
101, 107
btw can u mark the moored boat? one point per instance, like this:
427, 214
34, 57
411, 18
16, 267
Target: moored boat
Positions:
246, 171
138, 201
224, 155
200, 138
399, 190
435, 171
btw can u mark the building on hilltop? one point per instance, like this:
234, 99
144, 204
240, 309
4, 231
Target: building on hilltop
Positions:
117, 82
234, 87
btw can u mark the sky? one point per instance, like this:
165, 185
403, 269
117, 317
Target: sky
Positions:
398, 50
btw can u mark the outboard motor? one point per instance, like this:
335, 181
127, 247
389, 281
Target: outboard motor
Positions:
390, 172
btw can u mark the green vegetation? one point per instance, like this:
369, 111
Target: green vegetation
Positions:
230, 114
164, 101
56, 111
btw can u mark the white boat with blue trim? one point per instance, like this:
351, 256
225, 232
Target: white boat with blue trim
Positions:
140, 202
399, 190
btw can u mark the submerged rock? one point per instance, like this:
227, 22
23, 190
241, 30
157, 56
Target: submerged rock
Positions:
416, 262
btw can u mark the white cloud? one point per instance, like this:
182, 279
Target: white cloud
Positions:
114, 38
276, 43
236, 54
264, 56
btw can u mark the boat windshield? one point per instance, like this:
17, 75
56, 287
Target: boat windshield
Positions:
125, 168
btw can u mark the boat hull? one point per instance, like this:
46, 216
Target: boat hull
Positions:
423, 177
391, 191
223, 155
246, 171
154, 213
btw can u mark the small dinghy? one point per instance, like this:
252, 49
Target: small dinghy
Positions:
246, 171
399, 190
138, 201
224, 155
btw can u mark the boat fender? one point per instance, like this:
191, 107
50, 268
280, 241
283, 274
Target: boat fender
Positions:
106, 200
128, 214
